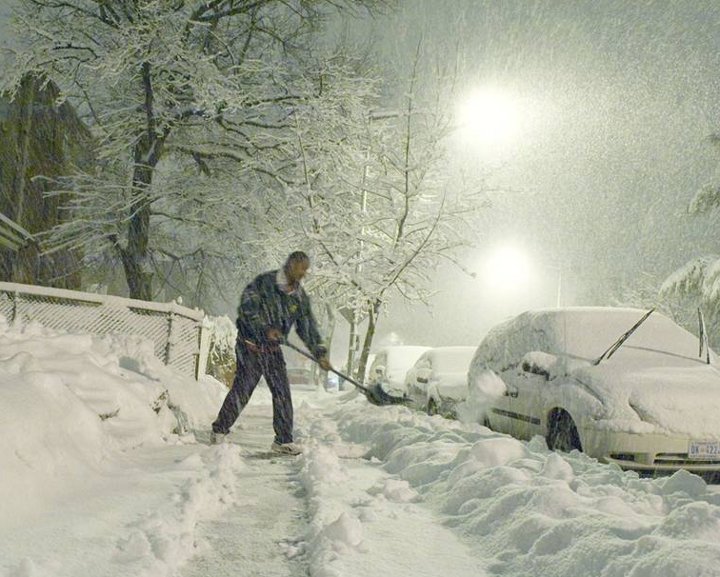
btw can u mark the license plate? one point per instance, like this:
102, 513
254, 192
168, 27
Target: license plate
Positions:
704, 450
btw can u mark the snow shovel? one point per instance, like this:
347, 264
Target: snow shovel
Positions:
375, 394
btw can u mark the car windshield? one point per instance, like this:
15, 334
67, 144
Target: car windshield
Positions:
582, 333
587, 333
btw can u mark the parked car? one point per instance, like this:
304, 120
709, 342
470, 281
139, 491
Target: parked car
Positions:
389, 367
622, 385
438, 379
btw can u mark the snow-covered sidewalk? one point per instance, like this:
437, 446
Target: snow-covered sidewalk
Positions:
98, 477
136, 517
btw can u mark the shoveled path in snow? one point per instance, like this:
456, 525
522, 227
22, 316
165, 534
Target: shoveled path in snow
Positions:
330, 512
251, 537
185, 509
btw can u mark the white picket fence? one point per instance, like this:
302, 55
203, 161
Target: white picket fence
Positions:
176, 331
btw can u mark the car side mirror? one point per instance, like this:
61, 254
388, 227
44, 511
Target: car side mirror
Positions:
511, 392
423, 376
539, 363
535, 370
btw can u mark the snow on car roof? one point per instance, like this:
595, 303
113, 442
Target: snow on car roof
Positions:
451, 359
402, 357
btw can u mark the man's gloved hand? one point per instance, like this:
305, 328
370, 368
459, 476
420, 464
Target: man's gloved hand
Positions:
324, 363
274, 334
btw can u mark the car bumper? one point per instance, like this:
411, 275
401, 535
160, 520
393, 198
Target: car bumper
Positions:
645, 452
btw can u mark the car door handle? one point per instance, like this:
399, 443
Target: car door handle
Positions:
422, 380
512, 393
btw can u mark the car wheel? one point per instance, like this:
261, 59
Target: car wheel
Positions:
432, 408
562, 433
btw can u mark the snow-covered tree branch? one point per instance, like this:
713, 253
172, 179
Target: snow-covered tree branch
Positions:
375, 199
168, 87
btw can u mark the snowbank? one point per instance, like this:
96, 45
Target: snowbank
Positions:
72, 401
364, 520
526, 510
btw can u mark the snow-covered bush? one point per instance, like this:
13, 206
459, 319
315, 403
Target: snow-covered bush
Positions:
221, 358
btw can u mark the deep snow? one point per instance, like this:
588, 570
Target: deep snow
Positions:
97, 477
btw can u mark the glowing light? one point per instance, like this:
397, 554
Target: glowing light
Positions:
490, 116
507, 268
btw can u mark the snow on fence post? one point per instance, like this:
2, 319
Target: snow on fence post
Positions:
204, 342
174, 330
15, 297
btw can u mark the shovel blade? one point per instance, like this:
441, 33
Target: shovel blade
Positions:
377, 396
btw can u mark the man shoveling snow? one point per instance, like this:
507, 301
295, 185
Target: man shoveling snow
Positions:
269, 307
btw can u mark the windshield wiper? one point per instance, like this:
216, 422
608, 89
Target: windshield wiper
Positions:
625, 336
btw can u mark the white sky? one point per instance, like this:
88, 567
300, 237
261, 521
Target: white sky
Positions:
5, 31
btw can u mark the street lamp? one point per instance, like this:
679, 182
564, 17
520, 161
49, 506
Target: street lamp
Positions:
509, 269
558, 268
489, 116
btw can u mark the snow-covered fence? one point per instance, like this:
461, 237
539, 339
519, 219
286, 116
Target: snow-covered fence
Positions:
176, 331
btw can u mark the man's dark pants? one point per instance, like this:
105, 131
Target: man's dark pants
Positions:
251, 365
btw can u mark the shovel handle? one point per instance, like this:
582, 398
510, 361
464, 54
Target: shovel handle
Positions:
338, 373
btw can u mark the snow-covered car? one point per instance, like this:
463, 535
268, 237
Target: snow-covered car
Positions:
390, 366
622, 385
438, 379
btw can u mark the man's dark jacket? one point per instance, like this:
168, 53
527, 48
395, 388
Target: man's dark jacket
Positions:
264, 305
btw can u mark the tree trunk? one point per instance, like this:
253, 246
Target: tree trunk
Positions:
369, 336
352, 347
319, 376
20, 272
135, 256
